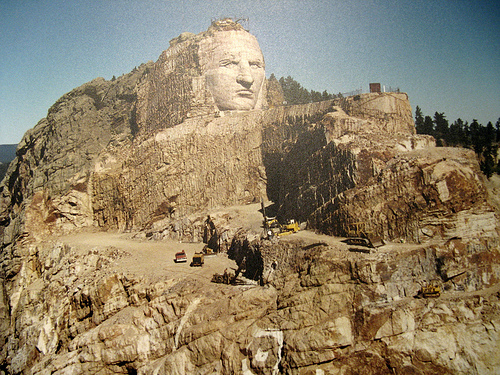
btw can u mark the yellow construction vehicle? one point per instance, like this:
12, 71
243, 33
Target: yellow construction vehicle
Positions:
198, 260
291, 227
274, 228
430, 290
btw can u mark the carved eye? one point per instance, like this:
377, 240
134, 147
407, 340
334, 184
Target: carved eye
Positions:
256, 64
228, 63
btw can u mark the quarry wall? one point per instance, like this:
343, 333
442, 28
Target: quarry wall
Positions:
150, 150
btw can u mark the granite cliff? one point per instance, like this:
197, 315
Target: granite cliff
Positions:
152, 153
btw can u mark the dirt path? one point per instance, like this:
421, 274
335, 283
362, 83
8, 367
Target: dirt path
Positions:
153, 260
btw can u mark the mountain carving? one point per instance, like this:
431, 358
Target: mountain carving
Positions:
122, 174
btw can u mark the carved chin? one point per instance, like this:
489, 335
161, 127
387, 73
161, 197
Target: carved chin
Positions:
240, 103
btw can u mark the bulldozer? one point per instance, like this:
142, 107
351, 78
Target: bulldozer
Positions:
430, 290
291, 227
274, 228
357, 235
198, 260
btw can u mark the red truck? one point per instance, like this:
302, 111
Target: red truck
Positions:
181, 257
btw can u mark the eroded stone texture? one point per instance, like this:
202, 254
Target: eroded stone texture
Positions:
327, 309
152, 151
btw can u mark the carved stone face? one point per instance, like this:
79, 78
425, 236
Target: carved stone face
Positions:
234, 69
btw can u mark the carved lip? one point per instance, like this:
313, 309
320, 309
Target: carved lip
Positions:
245, 93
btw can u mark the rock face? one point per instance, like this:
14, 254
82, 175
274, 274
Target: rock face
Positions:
157, 149
123, 164
325, 309
372, 169
434, 209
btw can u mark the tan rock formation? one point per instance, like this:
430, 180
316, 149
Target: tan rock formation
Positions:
150, 182
157, 150
79, 310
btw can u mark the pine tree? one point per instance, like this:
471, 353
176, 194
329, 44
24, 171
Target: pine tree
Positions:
428, 127
293, 91
316, 96
487, 163
476, 137
419, 120
456, 134
490, 133
497, 126
483, 139
441, 127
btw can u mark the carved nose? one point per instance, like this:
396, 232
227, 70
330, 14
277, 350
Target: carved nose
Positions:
245, 77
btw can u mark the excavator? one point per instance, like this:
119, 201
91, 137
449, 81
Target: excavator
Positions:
357, 235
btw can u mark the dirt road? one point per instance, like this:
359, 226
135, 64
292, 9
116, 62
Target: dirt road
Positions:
153, 260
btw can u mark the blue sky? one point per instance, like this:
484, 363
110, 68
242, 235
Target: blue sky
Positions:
444, 54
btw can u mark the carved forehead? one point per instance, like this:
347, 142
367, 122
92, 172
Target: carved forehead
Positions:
229, 43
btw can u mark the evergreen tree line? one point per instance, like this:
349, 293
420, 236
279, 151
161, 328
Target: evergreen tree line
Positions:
484, 140
294, 93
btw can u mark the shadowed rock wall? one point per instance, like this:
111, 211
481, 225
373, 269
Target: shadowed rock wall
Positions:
372, 170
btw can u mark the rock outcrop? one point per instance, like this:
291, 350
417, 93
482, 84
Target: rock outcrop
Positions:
155, 151
325, 309
108, 154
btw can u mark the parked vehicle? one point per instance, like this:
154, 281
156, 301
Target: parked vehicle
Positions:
180, 257
198, 260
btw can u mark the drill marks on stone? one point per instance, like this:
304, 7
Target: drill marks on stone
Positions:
184, 319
